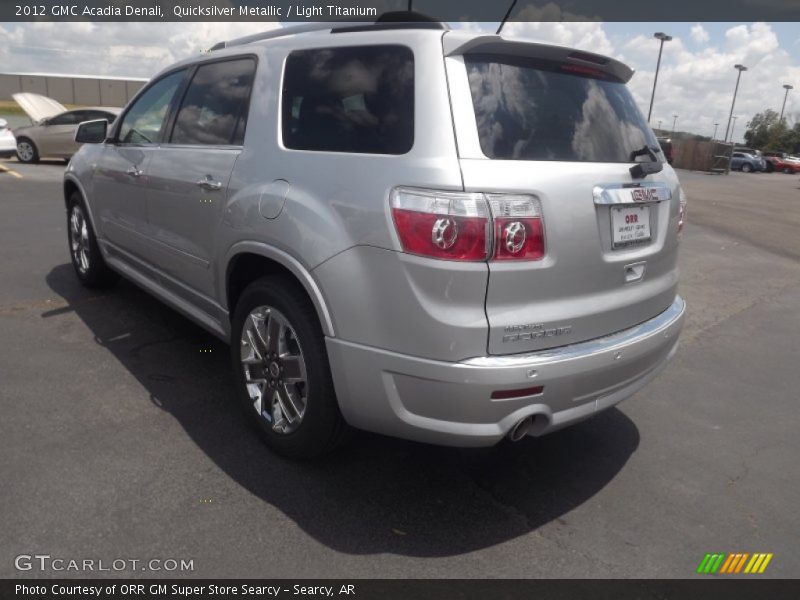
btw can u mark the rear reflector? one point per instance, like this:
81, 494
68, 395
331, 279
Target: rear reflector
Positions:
507, 394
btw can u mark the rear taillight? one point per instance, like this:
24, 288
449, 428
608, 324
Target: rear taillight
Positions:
468, 226
449, 225
518, 231
682, 211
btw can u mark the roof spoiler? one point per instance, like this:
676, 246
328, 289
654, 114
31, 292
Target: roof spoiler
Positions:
584, 62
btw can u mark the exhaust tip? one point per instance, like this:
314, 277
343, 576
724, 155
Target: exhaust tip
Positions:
521, 429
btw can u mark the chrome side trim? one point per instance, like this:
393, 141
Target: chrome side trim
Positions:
622, 193
654, 326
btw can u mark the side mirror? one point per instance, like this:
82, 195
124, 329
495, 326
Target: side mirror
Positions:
92, 132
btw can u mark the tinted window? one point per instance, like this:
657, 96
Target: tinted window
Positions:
142, 124
214, 109
529, 110
354, 99
93, 115
67, 118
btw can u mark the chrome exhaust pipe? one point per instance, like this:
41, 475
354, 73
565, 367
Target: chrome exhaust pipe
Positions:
521, 429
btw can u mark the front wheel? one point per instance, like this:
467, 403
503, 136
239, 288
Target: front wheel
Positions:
747, 168
87, 259
281, 368
26, 151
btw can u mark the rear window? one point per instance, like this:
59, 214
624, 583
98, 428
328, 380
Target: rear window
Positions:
532, 110
350, 99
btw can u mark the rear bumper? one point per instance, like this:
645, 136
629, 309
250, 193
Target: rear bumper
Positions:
450, 403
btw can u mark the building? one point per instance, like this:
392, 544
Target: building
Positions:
72, 89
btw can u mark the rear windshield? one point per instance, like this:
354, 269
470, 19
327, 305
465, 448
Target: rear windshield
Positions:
530, 110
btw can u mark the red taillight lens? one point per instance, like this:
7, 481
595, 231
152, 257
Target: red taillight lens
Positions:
441, 236
456, 225
448, 225
518, 231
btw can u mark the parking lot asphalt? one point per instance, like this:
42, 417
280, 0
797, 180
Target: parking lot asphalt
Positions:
120, 439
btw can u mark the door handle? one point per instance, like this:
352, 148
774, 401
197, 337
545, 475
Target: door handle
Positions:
208, 183
134, 172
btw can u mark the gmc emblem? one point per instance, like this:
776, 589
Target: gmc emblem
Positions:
644, 194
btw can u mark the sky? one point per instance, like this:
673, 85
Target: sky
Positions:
696, 79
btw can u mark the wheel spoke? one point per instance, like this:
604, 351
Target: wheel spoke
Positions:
275, 330
291, 398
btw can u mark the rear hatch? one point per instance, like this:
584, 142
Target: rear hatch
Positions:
560, 126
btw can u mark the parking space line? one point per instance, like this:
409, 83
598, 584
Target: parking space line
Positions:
11, 172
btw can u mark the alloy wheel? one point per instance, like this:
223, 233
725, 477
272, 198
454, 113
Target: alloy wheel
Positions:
25, 151
274, 369
79, 239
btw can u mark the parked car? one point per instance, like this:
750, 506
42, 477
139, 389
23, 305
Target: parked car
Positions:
53, 130
785, 164
740, 161
8, 143
666, 148
374, 268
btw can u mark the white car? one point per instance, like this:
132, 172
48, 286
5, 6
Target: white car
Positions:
53, 130
8, 143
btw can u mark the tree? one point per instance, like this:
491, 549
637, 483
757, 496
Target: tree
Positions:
767, 133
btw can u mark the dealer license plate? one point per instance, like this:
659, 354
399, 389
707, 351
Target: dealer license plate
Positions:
629, 225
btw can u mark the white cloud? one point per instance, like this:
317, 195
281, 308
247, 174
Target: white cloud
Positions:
699, 34
118, 49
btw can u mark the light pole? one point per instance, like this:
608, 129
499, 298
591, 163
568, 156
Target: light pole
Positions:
732, 128
714, 137
739, 68
787, 87
659, 125
664, 38
674, 120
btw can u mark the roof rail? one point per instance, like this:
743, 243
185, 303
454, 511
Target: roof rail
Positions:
282, 32
389, 20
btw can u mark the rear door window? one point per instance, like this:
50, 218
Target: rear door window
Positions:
528, 109
352, 99
214, 108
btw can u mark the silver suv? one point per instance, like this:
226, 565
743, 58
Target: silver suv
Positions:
442, 236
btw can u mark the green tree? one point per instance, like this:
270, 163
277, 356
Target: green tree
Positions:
765, 132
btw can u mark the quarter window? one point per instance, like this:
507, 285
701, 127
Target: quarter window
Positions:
142, 124
214, 109
351, 99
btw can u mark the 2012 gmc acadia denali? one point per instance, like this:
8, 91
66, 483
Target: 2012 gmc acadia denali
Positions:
447, 237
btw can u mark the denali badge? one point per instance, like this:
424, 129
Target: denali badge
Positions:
521, 333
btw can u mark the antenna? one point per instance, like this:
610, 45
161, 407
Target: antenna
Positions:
508, 14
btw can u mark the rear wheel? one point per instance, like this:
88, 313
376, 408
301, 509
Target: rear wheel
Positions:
27, 151
283, 378
747, 168
87, 259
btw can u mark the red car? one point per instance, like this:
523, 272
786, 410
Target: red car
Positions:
787, 165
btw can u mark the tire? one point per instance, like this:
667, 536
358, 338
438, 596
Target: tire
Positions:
770, 167
290, 399
27, 151
747, 168
787, 170
87, 260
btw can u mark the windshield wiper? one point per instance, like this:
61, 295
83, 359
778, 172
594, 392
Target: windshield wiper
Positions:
643, 169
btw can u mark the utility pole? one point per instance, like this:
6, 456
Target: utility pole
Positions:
664, 38
740, 68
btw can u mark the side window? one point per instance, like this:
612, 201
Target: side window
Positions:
67, 118
94, 115
214, 109
351, 99
142, 124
